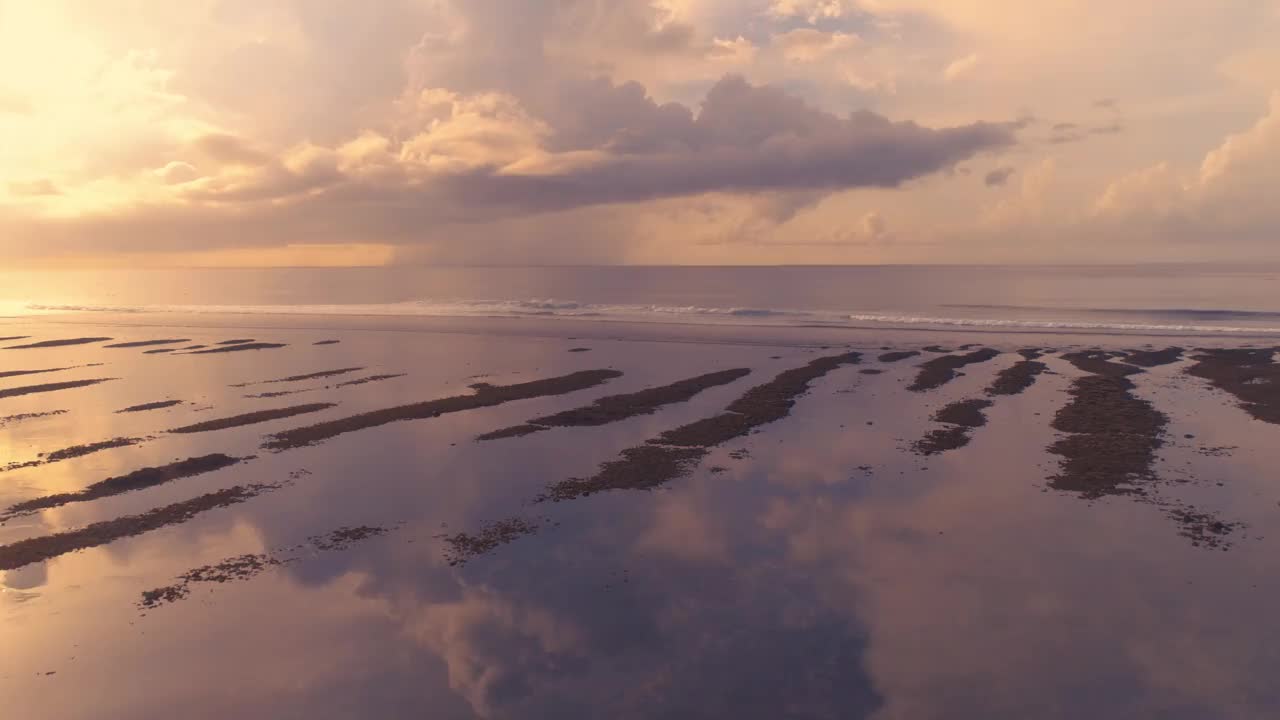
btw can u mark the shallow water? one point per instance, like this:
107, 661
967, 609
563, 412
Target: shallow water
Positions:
816, 568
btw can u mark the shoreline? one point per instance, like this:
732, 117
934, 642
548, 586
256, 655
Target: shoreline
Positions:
586, 328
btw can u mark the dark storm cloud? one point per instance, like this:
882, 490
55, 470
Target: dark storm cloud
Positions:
746, 139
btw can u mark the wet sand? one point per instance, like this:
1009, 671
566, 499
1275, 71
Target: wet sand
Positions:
789, 530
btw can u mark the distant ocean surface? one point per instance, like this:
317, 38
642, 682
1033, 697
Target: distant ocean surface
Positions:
1189, 299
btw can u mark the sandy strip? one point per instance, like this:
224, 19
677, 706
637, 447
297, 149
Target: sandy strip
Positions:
960, 417
462, 546
615, 408
347, 383
37, 549
897, 355
252, 418
326, 342
941, 370
240, 348
674, 453
10, 419
1154, 358
1112, 435
297, 378
58, 343
75, 451
159, 405
1250, 375
50, 387
147, 343
136, 480
18, 373
14, 337
246, 567
1016, 378
236, 341
367, 379
485, 396
1111, 443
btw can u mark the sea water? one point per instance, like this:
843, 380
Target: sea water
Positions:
1209, 299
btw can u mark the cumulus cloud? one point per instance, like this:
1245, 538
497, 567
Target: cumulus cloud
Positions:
337, 122
1232, 194
177, 172
485, 156
811, 10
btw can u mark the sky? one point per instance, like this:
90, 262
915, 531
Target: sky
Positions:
343, 132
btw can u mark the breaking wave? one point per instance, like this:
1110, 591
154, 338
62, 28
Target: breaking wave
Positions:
1104, 320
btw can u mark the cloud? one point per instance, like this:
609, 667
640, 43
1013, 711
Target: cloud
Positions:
177, 172
417, 120
13, 103
1231, 196
484, 156
960, 68
998, 177
811, 11
34, 188
804, 45
229, 150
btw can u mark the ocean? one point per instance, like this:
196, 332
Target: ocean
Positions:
1149, 299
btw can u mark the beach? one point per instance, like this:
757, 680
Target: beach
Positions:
328, 515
